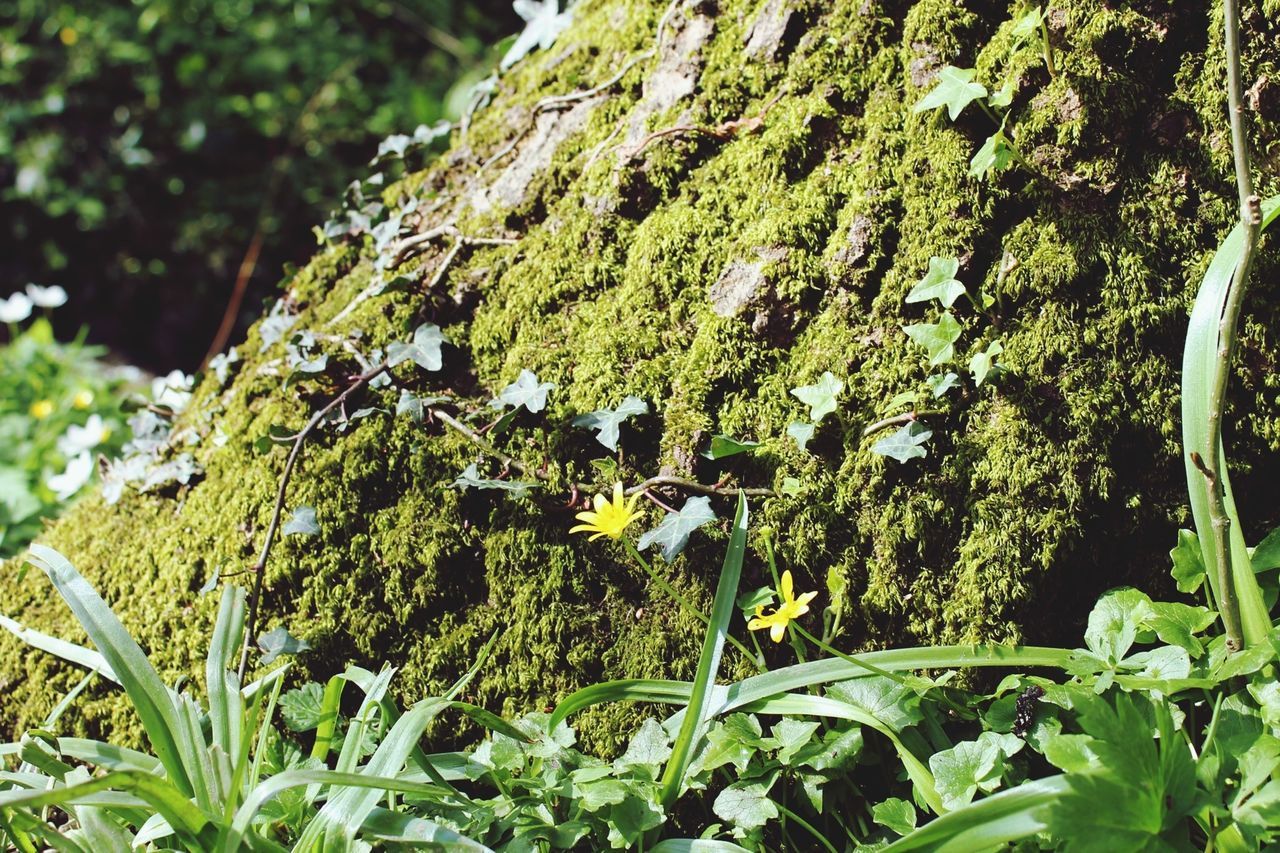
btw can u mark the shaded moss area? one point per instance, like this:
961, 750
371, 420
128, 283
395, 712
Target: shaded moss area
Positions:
1057, 482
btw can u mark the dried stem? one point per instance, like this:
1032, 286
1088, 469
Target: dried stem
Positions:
259, 568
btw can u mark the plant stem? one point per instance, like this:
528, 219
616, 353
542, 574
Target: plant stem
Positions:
686, 604
1213, 466
893, 676
804, 824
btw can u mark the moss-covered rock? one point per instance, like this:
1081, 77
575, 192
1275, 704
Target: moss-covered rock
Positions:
744, 208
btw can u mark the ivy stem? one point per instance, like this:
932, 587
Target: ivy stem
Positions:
685, 603
1213, 466
260, 567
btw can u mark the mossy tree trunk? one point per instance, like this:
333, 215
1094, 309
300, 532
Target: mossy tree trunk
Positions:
709, 273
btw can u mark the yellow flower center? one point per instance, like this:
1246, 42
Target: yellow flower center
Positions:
610, 517
41, 409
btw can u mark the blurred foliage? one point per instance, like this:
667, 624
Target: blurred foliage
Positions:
143, 144
60, 406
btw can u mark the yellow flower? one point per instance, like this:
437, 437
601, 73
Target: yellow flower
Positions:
41, 409
791, 608
83, 399
610, 518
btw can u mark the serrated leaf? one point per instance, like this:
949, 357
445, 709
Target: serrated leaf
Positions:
606, 422
301, 707
470, 479
801, 433
904, 444
674, 531
423, 350
938, 339
279, 642
723, 445
983, 362
649, 747
820, 397
526, 391
302, 522
746, 804
970, 766
995, 155
1178, 624
939, 283
1114, 621
896, 815
941, 384
889, 701
954, 90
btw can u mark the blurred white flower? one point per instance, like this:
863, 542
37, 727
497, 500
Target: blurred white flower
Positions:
78, 439
15, 309
172, 391
79, 471
47, 297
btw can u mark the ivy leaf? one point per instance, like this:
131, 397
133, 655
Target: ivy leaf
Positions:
984, 362
470, 479
905, 444
606, 422
820, 397
801, 432
543, 24
746, 804
302, 522
955, 90
939, 283
723, 445
1028, 25
526, 391
896, 815
279, 642
995, 155
414, 406
423, 350
673, 533
301, 707
938, 339
939, 384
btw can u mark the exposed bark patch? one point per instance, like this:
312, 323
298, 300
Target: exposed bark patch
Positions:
925, 65
768, 33
550, 130
744, 283
859, 240
675, 77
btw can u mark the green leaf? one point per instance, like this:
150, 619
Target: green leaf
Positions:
895, 814
1177, 624
1028, 26
723, 445
606, 422
302, 522
1267, 555
423, 350
792, 735
955, 90
969, 766
990, 823
938, 339
905, 443
649, 747
820, 397
995, 155
673, 533
939, 283
301, 708
940, 384
414, 406
746, 804
279, 641
1113, 623
983, 362
801, 433
889, 701
526, 391
470, 479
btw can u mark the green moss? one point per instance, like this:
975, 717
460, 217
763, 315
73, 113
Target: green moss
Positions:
1037, 493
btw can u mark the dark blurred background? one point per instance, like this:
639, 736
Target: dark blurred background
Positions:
148, 147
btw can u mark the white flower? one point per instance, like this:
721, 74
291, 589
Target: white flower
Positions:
15, 309
172, 391
79, 471
47, 297
78, 439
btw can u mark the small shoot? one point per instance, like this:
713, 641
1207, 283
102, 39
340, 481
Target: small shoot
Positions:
302, 522
821, 397
724, 445
801, 432
984, 365
608, 422
939, 283
954, 90
938, 339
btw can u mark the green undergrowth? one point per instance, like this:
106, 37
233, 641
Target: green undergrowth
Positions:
1032, 499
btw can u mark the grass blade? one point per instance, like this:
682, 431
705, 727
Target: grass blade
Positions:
698, 710
150, 698
79, 655
1199, 362
226, 705
989, 823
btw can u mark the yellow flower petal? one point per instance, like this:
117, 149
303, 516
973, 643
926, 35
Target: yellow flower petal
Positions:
777, 632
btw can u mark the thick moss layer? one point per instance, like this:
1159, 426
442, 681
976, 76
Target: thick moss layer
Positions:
1037, 493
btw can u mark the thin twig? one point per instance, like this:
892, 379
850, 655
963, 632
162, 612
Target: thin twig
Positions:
698, 488
892, 420
481, 442
1213, 466
259, 568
